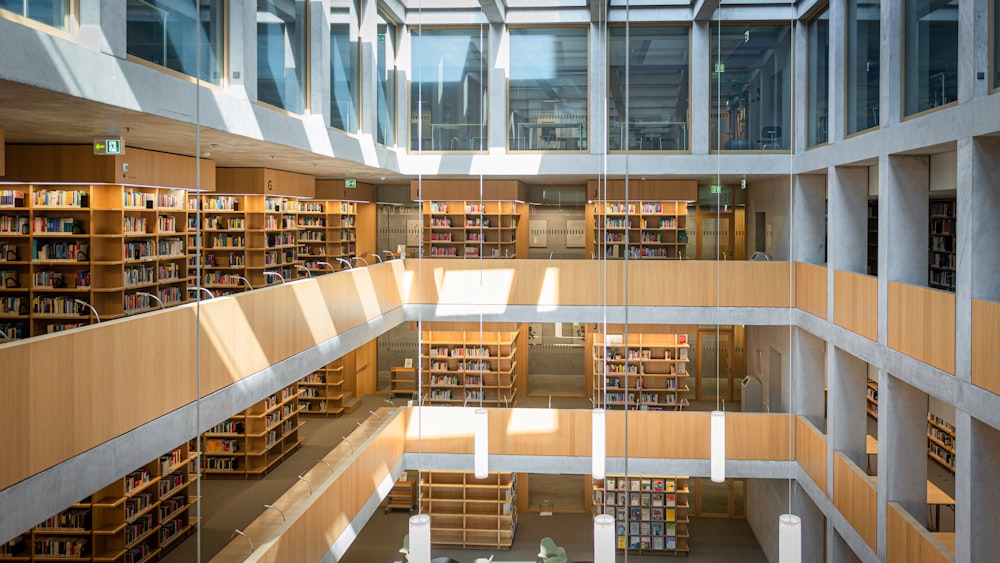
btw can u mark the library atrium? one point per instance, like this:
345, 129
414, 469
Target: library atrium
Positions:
509, 280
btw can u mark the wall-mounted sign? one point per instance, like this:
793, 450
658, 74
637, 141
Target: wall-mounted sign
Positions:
109, 146
350, 183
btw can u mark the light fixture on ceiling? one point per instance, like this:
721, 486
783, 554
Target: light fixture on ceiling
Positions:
481, 447
604, 538
598, 454
419, 548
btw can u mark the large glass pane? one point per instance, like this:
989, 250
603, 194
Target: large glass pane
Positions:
658, 80
50, 12
863, 26
449, 91
281, 53
547, 91
386, 47
930, 54
344, 63
819, 78
995, 33
751, 93
164, 32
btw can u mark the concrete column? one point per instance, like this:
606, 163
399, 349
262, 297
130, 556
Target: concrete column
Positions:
813, 524
404, 71
902, 449
808, 371
890, 64
497, 71
318, 45
905, 219
847, 422
979, 211
973, 49
837, 550
848, 217
103, 27
977, 492
598, 134
242, 38
700, 99
838, 71
964, 204
368, 89
800, 85
809, 219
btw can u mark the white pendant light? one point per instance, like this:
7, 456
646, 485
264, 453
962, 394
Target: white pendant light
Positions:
598, 454
482, 443
604, 539
789, 539
718, 446
420, 539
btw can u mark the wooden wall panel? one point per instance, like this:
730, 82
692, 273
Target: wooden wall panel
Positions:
908, 541
854, 495
315, 521
366, 231
78, 163
149, 168
264, 181
3, 153
63, 394
645, 190
855, 303
512, 431
985, 352
810, 288
754, 284
467, 190
810, 451
673, 435
335, 189
759, 436
922, 324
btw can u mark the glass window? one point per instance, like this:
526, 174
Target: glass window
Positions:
386, 47
931, 54
164, 32
281, 53
344, 64
658, 114
449, 91
547, 91
50, 12
751, 87
819, 78
995, 33
863, 25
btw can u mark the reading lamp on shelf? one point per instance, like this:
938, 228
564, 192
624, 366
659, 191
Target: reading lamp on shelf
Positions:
240, 532
328, 265
363, 428
272, 507
389, 253
207, 291
5, 337
246, 281
153, 297
346, 263
306, 481
275, 275
349, 443
89, 306
375, 254
326, 463
304, 269
356, 258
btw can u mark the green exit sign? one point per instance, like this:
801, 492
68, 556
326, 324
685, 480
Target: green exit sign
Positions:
716, 189
350, 183
720, 68
109, 146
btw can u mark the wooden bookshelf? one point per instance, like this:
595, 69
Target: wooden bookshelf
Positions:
871, 399
873, 237
469, 367
136, 518
250, 444
474, 229
648, 372
650, 512
403, 381
403, 495
323, 390
470, 512
941, 441
941, 254
641, 229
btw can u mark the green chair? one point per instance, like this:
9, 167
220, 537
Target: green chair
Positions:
550, 552
405, 550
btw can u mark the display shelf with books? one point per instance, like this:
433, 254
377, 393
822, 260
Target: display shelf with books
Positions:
250, 444
323, 390
648, 372
403, 381
941, 252
469, 367
342, 235
223, 238
941, 441
871, 398
271, 239
473, 229
313, 223
138, 517
640, 229
470, 512
650, 512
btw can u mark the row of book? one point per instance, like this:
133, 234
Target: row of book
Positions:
278, 204
11, 198
14, 224
59, 198
138, 275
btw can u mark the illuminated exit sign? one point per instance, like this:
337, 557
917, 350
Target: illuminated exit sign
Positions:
110, 146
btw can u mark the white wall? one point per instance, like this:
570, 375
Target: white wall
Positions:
773, 198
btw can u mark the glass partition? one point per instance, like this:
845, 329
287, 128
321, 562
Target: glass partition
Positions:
658, 88
547, 91
281, 53
863, 25
449, 90
995, 35
344, 65
386, 93
819, 78
931, 54
751, 87
50, 12
164, 32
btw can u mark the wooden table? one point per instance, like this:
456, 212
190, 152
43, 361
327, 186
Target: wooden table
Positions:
871, 448
936, 498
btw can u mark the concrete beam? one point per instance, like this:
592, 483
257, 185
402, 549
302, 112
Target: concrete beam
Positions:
599, 10
703, 9
495, 10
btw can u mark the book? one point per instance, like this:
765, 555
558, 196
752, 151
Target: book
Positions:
657, 499
658, 485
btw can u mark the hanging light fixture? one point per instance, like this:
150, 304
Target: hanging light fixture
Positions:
420, 539
718, 446
598, 454
789, 538
482, 442
604, 539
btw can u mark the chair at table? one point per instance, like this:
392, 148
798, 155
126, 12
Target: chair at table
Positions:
550, 552
771, 138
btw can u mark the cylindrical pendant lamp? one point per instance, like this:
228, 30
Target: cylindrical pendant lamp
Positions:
789, 539
420, 539
482, 443
718, 446
604, 539
598, 452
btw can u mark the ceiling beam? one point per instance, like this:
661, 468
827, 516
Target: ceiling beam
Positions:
495, 10
599, 10
703, 9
